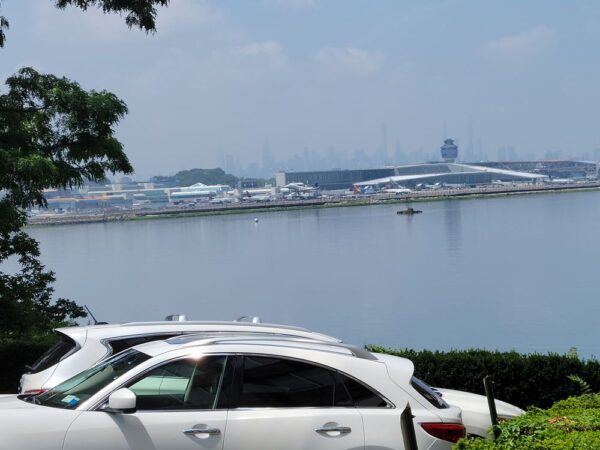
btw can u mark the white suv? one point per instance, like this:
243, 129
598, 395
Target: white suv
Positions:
237, 392
81, 347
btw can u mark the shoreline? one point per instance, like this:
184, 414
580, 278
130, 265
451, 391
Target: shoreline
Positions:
283, 205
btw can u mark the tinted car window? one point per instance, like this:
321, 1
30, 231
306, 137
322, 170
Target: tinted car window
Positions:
361, 396
180, 385
66, 346
118, 345
273, 382
429, 393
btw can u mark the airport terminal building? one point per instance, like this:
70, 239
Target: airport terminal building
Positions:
408, 176
446, 172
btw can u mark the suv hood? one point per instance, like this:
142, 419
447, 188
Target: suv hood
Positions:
17, 418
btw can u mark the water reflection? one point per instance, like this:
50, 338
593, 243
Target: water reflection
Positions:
436, 280
452, 225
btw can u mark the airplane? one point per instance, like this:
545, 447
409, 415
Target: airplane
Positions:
503, 183
562, 180
397, 191
259, 198
221, 200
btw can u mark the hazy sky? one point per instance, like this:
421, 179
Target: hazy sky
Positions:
320, 74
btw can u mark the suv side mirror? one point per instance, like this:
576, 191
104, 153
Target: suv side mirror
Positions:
122, 401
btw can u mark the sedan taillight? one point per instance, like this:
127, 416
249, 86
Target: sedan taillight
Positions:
451, 432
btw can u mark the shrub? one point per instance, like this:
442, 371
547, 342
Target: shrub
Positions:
521, 379
568, 424
15, 354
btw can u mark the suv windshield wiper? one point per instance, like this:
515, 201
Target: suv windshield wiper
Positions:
32, 399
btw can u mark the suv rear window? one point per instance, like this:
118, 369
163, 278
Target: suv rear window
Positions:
118, 345
429, 393
59, 351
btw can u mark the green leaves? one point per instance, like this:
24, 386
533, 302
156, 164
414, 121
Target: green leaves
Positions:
4, 25
569, 424
206, 176
26, 296
53, 134
138, 13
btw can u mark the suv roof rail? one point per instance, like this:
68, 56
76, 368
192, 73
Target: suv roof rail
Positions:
215, 322
355, 351
255, 319
176, 318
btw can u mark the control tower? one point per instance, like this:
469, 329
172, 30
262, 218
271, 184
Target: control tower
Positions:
449, 151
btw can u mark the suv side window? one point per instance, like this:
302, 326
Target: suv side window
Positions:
182, 384
361, 395
120, 344
268, 382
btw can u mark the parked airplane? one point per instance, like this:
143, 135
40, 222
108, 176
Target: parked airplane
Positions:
562, 180
397, 191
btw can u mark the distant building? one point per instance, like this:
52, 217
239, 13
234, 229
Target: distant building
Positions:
431, 173
449, 151
331, 179
450, 174
556, 168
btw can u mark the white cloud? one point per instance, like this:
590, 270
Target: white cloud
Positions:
269, 51
361, 62
265, 48
522, 45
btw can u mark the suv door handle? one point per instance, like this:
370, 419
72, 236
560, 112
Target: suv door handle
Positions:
333, 429
206, 430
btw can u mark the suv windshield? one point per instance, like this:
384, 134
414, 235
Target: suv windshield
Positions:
74, 391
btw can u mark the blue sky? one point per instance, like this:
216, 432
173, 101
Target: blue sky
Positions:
320, 74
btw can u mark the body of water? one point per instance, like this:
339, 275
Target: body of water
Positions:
500, 273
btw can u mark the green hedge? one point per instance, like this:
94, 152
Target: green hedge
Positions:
15, 354
568, 424
523, 380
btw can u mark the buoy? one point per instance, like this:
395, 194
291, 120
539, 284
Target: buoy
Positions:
256, 220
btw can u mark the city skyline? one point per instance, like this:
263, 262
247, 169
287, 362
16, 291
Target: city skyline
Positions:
265, 164
326, 76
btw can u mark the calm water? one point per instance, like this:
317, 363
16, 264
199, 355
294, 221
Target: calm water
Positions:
512, 273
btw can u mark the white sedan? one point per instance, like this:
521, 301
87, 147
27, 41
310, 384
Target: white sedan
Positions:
232, 393
476, 413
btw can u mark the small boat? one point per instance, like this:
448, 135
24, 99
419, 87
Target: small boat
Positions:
409, 211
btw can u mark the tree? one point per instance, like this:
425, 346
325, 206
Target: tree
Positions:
53, 134
206, 176
138, 13
3, 26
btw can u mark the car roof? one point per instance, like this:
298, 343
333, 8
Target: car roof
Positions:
99, 332
156, 348
399, 369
